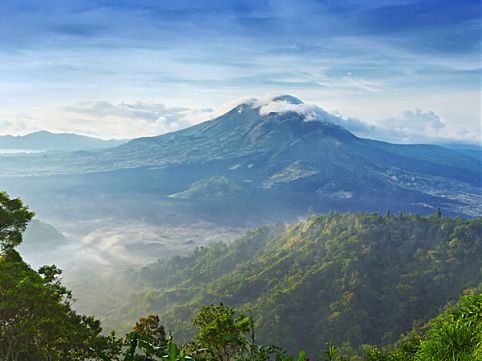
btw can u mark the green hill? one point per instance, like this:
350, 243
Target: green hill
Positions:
361, 278
209, 189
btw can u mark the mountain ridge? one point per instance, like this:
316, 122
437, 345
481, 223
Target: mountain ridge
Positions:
357, 277
45, 140
282, 149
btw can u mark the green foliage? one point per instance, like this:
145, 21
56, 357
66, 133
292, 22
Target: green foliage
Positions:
335, 277
456, 334
149, 327
332, 354
210, 188
438, 212
135, 342
223, 335
14, 217
221, 331
347, 278
406, 347
36, 319
373, 353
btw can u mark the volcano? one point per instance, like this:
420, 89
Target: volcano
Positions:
278, 154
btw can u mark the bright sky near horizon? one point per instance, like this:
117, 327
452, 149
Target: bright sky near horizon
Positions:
130, 68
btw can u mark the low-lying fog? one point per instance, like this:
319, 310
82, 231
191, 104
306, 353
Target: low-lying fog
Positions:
97, 256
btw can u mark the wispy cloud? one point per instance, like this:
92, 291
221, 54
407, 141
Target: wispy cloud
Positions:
128, 120
108, 120
410, 127
204, 53
418, 121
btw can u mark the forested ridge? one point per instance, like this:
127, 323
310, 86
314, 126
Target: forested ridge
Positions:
348, 278
330, 285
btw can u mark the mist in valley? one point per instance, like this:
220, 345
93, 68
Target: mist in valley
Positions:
306, 173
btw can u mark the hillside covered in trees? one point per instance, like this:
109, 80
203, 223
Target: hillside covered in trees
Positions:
328, 269
349, 278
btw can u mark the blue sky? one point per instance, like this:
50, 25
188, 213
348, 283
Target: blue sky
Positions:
131, 68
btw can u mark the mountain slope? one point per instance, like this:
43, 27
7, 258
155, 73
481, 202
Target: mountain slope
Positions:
210, 188
283, 153
359, 277
41, 237
44, 140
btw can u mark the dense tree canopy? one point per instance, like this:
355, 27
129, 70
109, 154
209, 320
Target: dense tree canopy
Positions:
453, 335
342, 278
36, 318
14, 217
221, 331
354, 278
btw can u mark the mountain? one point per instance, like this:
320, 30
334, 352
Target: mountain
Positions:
285, 155
472, 150
44, 141
41, 237
41, 244
361, 278
263, 161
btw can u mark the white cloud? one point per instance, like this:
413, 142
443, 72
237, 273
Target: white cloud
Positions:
410, 127
283, 104
17, 124
136, 119
418, 121
109, 120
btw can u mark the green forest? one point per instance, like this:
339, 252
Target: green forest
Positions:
334, 287
352, 279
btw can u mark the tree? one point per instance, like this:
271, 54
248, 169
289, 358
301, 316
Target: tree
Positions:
438, 212
151, 327
221, 331
14, 217
149, 332
36, 318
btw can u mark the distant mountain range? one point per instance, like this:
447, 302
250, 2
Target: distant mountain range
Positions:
281, 148
44, 140
262, 161
472, 150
